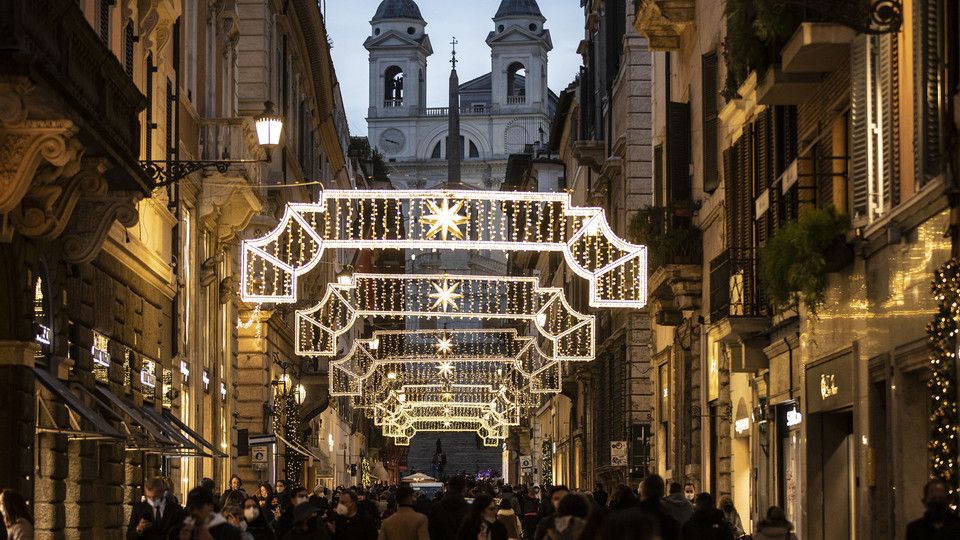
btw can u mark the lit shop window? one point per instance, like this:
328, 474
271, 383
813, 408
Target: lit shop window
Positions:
101, 357
148, 373
40, 316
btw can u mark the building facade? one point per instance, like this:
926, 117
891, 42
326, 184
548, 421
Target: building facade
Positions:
817, 174
129, 348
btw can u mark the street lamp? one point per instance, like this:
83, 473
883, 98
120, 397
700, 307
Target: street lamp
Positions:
166, 171
345, 275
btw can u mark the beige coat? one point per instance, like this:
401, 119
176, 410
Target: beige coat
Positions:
511, 522
406, 524
21, 530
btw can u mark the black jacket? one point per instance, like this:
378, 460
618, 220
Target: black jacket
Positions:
260, 529
447, 516
219, 530
669, 528
170, 520
358, 527
924, 527
707, 524
470, 529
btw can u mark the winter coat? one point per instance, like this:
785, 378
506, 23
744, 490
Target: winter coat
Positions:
21, 530
218, 527
564, 528
170, 519
447, 515
358, 527
512, 498
775, 530
678, 507
405, 524
924, 527
260, 529
708, 524
471, 530
511, 523
669, 528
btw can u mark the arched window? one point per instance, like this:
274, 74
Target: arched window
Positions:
474, 152
393, 87
516, 80
437, 151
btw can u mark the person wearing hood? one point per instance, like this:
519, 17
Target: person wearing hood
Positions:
350, 523
937, 515
406, 523
511, 522
651, 497
449, 512
256, 520
707, 522
481, 523
776, 527
202, 523
507, 494
677, 505
569, 520
305, 524
290, 500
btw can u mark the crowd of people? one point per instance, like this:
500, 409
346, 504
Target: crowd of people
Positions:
464, 510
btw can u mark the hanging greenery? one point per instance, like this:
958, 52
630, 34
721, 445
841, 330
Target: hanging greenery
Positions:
669, 234
793, 263
546, 462
287, 422
756, 31
944, 442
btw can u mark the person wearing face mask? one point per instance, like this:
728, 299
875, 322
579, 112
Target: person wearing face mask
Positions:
156, 515
549, 514
256, 520
938, 518
306, 525
481, 523
677, 505
284, 523
202, 521
350, 523
234, 516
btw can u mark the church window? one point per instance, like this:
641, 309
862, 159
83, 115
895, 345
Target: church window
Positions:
393, 87
474, 152
376, 31
533, 27
411, 30
500, 28
516, 80
436, 151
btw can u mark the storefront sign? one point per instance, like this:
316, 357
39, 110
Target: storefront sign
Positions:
794, 417
618, 453
830, 384
526, 462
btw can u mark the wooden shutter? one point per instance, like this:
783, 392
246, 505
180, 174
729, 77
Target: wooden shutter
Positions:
860, 165
708, 75
928, 89
888, 86
738, 183
679, 187
128, 40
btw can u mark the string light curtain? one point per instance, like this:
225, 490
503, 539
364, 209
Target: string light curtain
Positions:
945, 419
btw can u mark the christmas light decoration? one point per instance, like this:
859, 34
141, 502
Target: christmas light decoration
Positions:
564, 334
446, 295
450, 220
944, 442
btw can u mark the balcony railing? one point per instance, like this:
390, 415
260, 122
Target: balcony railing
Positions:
478, 109
670, 236
516, 100
734, 287
392, 103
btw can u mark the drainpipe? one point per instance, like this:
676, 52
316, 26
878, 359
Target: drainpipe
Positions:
790, 365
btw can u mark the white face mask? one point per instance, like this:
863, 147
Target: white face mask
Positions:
341, 509
251, 513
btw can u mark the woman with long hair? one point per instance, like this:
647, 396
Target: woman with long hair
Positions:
481, 523
16, 515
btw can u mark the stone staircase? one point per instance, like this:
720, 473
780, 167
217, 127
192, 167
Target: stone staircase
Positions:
464, 453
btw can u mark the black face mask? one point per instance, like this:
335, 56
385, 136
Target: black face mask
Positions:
938, 511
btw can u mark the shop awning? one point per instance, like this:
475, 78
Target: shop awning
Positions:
101, 429
173, 432
192, 434
163, 441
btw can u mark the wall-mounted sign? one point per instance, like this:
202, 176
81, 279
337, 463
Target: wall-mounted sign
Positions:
794, 417
526, 462
828, 385
618, 453
258, 454
742, 425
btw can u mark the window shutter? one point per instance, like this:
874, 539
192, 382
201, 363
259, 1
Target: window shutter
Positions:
678, 152
730, 189
103, 16
860, 165
928, 91
823, 169
745, 193
128, 40
888, 73
708, 74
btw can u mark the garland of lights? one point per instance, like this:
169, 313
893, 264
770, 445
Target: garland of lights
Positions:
287, 421
546, 458
564, 334
441, 219
945, 419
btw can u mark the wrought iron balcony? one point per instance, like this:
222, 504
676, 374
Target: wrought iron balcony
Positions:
734, 286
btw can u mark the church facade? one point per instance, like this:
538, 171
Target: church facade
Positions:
500, 112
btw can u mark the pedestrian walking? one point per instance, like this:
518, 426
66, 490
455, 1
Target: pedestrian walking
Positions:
156, 515
707, 522
507, 494
306, 525
531, 509
406, 523
481, 521
732, 516
677, 505
510, 520
349, 522
630, 524
937, 515
776, 527
202, 522
257, 524
623, 498
651, 494
235, 495
600, 495
547, 516
234, 516
569, 520
449, 512
16, 516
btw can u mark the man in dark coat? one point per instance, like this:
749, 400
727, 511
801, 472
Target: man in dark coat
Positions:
154, 517
938, 515
651, 493
707, 522
202, 522
530, 505
350, 523
447, 514
600, 495
677, 505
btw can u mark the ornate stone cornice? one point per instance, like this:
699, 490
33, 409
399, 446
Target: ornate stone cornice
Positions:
54, 194
91, 222
25, 147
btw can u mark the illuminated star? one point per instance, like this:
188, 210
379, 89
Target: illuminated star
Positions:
447, 411
445, 369
444, 219
444, 345
446, 295
447, 424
